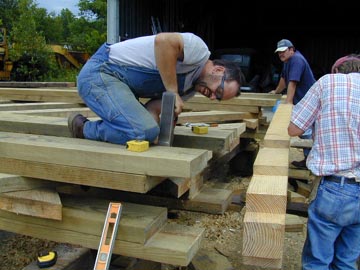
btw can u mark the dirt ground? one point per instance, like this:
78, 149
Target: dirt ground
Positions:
223, 238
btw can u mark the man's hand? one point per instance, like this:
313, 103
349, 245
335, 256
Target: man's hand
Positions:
272, 92
179, 105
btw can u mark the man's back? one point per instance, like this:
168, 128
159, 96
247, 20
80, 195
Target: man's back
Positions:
334, 104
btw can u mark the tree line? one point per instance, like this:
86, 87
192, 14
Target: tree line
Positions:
30, 29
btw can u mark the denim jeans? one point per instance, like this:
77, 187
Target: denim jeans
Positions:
112, 91
306, 135
333, 230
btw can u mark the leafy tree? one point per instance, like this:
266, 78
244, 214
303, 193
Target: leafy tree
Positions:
93, 9
66, 19
31, 29
49, 25
86, 36
9, 12
31, 55
89, 31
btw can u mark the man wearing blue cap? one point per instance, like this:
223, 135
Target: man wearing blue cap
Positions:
297, 77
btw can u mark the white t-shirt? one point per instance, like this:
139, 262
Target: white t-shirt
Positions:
140, 52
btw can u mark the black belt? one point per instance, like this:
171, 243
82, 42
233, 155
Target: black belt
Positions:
337, 179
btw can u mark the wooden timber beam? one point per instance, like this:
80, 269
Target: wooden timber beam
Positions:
157, 161
266, 197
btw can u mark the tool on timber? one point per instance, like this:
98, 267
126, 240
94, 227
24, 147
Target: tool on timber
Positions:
167, 119
108, 236
46, 259
198, 128
137, 145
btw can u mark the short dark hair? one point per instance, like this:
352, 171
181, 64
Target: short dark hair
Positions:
232, 72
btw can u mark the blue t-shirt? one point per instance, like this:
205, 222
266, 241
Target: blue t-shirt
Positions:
298, 69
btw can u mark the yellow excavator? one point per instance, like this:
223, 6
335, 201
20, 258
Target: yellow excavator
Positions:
67, 58
5, 65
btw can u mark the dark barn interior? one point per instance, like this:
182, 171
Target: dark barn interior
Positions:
321, 31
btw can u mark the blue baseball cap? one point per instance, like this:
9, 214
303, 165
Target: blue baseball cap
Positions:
283, 44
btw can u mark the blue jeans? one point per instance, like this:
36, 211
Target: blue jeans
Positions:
306, 135
112, 91
333, 230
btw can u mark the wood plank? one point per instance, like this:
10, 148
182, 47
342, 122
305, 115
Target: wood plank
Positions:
295, 197
242, 100
78, 175
41, 94
262, 95
32, 124
175, 186
272, 161
276, 134
86, 215
296, 142
196, 184
213, 116
303, 189
157, 161
245, 99
267, 194
301, 174
251, 123
263, 238
38, 106
216, 140
37, 84
293, 223
193, 106
239, 128
264, 220
213, 198
41, 202
212, 201
10, 182
58, 112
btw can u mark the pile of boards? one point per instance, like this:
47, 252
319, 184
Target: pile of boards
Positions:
58, 188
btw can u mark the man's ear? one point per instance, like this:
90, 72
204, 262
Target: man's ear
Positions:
217, 70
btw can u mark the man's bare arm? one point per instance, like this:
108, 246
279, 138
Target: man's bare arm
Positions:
169, 48
293, 130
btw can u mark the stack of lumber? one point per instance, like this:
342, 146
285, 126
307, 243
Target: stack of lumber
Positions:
301, 178
58, 188
266, 197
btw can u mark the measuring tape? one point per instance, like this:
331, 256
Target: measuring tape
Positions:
46, 259
199, 129
137, 145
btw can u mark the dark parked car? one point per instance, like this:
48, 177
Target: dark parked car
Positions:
261, 75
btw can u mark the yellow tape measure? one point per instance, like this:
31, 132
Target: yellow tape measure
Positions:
137, 145
46, 259
199, 129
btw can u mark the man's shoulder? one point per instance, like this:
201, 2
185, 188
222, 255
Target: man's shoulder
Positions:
298, 57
